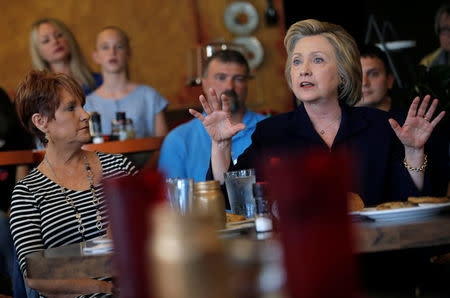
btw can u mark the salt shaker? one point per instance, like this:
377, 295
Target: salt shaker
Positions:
263, 221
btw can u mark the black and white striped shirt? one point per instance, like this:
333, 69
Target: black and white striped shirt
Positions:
41, 218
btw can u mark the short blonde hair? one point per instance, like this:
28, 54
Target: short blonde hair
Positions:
78, 65
345, 49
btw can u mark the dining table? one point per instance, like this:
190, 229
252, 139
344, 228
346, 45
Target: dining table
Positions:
370, 237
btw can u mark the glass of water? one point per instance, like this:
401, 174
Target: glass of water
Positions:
180, 194
240, 194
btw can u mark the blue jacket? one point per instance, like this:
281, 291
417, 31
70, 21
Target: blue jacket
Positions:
365, 133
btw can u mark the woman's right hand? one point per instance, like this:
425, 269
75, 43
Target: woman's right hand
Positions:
218, 120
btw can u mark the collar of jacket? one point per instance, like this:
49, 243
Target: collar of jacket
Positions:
352, 122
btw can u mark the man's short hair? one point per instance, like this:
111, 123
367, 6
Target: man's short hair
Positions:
372, 51
226, 56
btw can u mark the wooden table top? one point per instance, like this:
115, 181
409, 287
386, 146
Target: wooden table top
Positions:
67, 262
375, 237
70, 261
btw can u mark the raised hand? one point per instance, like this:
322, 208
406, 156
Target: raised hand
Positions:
419, 124
218, 119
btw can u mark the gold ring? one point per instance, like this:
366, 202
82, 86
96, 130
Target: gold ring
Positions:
426, 118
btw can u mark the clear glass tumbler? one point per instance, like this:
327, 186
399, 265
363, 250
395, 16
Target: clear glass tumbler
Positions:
180, 194
240, 193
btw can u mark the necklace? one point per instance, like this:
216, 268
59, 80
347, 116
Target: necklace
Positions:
323, 130
95, 199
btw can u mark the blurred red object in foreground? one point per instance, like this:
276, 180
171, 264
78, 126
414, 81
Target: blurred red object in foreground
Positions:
314, 226
129, 201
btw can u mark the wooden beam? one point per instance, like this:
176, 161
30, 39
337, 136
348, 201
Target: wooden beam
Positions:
127, 146
18, 157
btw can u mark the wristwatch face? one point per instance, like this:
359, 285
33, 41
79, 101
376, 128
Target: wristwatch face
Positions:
241, 18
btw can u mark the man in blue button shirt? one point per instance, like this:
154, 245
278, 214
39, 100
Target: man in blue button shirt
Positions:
186, 150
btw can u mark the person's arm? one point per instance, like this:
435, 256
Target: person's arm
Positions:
219, 127
69, 287
414, 134
128, 166
220, 158
25, 223
156, 107
161, 128
21, 171
415, 158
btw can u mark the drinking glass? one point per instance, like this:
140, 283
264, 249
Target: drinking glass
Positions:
180, 194
240, 194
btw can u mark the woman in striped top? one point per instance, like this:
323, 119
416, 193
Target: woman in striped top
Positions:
61, 201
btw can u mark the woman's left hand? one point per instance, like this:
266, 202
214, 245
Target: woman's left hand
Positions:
419, 124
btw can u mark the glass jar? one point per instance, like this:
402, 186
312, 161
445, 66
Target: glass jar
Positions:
209, 200
118, 130
131, 131
95, 128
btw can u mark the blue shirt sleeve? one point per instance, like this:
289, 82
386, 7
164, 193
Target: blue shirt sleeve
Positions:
154, 103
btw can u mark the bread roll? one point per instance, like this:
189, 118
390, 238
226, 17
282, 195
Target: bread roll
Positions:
355, 203
436, 200
396, 205
234, 217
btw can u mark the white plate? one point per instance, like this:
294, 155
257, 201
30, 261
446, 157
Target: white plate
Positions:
424, 211
253, 48
397, 45
241, 18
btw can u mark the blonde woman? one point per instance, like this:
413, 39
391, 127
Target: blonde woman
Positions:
54, 48
323, 69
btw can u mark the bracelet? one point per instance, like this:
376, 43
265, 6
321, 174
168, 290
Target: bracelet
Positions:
420, 169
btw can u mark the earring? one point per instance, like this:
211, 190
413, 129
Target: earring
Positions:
341, 83
45, 139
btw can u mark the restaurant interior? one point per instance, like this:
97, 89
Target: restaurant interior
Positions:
305, 245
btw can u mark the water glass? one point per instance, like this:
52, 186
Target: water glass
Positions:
240, 193
180, 194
